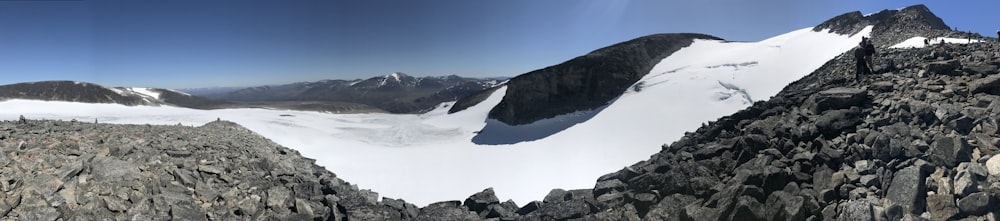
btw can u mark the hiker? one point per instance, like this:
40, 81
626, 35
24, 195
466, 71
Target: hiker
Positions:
927, 42
861, 65
870, 55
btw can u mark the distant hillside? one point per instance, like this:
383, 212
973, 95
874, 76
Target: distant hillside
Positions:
92, 93
395, 93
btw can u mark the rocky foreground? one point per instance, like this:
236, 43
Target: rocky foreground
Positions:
220, 171
918, 141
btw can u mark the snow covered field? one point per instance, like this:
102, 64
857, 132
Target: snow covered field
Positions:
431, 157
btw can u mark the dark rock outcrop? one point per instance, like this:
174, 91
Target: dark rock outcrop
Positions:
890, 26
586, 82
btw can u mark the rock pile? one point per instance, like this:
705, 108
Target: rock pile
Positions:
53, 170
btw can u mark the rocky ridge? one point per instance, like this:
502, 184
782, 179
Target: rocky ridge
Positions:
893, 26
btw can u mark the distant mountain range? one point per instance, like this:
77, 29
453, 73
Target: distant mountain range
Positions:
92, 93
394, 93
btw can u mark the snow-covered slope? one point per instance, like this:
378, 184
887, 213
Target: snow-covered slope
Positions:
431, 157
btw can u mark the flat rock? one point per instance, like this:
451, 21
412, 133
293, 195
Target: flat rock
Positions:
836, 98
944, 67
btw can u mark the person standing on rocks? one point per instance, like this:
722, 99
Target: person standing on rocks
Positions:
870, 56
860, 63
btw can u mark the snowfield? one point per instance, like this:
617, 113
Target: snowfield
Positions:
918, 42
431, 157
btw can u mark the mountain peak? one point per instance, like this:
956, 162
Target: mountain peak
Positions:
396, 75
890, 26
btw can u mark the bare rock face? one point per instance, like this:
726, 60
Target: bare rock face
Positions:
890, 26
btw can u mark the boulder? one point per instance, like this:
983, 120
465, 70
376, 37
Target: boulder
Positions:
856, 210
907, 190
941, 207
608, 186
836, 98
448, 210
975, 204
670, 207
948, 151
832, 123
993, 165
980, 68
965, 183
480, 201
781, 205
747, 208
949, 67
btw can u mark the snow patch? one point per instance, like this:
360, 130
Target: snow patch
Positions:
117, 90
147, 92
918, 42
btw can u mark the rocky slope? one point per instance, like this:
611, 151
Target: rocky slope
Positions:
917, 141
219, 171
891, 26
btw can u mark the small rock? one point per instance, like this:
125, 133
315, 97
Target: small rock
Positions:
993, 165
870, 180
210, 169
278, 197
964, 183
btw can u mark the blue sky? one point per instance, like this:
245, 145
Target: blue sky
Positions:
203, 43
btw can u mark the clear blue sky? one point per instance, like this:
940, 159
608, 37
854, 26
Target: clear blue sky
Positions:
201, 43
